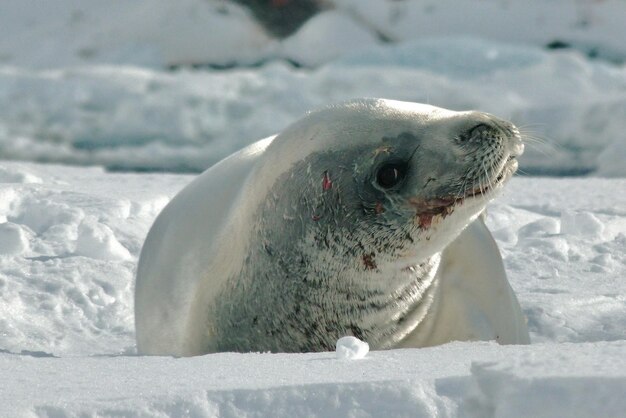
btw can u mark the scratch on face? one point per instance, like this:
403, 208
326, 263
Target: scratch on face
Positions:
382, 149
427, 209
379, 208
369, 262
425, 220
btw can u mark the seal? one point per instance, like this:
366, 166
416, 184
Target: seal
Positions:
360, 219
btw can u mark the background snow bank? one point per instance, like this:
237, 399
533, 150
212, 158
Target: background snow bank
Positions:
139, 119
159, 33
153, 33
564, 248
85, 82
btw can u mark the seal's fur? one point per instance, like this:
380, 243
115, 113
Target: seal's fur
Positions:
337, 226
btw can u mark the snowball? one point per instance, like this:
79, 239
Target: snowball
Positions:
351, 348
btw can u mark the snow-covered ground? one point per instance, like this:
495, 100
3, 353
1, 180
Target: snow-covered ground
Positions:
86, 82
69, 247
477, 380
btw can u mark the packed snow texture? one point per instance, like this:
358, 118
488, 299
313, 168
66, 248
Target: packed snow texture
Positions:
79, 84
477, 380
70, 238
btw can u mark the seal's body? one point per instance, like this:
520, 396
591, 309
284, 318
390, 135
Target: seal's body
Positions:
353, 221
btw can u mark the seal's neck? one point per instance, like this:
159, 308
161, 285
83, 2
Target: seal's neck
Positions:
404, 298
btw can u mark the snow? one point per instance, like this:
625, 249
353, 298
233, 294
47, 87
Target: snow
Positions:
144, 33
159, 33
85, 82
142, 119
528, 383
330, 34
96, 90
351, 348
67, 331
466, 379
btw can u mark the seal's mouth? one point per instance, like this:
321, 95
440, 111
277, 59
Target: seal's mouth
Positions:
508, 168
427, 209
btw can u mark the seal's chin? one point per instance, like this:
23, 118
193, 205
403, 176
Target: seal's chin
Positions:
491, 185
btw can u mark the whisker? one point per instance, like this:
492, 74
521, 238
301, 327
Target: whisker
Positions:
484, 189
540, 143
413, 153
531, 125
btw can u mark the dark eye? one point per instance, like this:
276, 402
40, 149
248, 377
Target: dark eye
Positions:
390, 174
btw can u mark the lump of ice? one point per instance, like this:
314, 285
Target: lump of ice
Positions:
96, 240
351, 348
13, 239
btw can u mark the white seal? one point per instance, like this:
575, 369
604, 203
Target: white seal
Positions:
359, 219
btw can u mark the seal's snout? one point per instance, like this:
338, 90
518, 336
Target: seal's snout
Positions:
487, 132
486, 149
483, 134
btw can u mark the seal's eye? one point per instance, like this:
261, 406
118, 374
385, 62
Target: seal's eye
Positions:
390, 174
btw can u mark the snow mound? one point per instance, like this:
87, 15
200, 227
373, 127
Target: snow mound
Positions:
533, 384
584, 224
153, 33
139, 119
17, 175
98, 241
159, 33
325, 37
13, 239
68, 247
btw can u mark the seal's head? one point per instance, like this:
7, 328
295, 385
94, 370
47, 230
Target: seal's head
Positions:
392, 172
358, 201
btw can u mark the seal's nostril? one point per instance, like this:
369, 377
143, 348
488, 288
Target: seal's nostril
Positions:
480, 130
477, 134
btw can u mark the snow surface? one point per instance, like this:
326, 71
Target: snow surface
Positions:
89, 82
71, 239
460, 379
